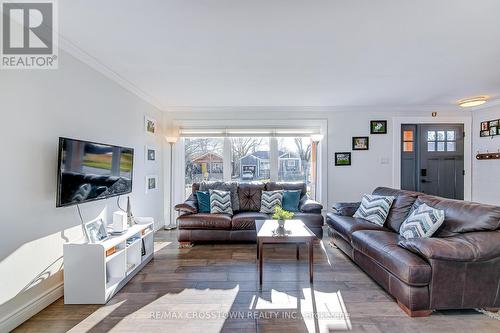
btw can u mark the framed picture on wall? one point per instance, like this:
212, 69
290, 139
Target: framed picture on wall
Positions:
150, 125
485, 133
493, 130
485, 126
378, 127
342, 159
493, 123
151, 183
150, 154
360, 143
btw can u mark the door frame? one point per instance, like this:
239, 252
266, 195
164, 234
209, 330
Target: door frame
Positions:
396, 153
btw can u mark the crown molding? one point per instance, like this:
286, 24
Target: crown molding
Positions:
313, 109
71, 48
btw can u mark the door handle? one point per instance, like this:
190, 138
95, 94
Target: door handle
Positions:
425, 181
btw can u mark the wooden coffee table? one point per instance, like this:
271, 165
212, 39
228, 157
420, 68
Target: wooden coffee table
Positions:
296, 233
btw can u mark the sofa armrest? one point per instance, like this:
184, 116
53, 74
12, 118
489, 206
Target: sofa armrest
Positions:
190, 206
346, 208
307, 205
472, 246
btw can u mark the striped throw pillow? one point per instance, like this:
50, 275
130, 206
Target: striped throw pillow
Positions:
270, 200
422, 222
220, 202
374, 208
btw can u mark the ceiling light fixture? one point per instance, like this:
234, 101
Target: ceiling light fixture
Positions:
474, 101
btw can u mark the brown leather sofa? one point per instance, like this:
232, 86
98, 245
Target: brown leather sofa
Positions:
201, 227
457, 268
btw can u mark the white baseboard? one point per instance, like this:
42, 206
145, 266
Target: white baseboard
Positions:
29, 309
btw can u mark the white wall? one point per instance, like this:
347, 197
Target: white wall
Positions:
486, 174
369, 169
36, 107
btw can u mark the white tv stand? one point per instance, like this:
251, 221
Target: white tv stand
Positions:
92, 275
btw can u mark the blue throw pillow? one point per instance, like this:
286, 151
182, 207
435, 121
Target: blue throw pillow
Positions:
291, 200
203, 201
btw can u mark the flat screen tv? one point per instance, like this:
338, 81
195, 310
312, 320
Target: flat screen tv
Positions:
89, 171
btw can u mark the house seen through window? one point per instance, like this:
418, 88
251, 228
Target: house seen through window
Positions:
250, 159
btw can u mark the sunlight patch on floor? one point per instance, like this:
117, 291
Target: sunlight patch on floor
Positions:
160, 245
320, 311
100, 314
173, 310
279, 301
325, 253
324, 312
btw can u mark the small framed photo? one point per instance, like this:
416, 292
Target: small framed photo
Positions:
485, 126
360, 143
151, 183
150, 154
96, 231
485, 133
342, 159
493, 130
378, 127
150, 125
493, 123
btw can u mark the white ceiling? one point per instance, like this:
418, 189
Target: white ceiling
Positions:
396, 53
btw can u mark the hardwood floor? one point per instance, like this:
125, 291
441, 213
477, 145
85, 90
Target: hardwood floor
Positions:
212, 288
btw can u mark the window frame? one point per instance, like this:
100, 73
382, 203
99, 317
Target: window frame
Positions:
272, 165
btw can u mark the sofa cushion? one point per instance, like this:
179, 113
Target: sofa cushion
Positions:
270, 200
203, 201
346, 225
401, 206
220, 202
291, 200
246, 220
287, 186
224, 186
471, 246
249, 195
205, 221
462, 216
374, 208
422, 222
382, 247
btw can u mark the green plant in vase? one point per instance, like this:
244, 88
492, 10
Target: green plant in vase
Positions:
281, 215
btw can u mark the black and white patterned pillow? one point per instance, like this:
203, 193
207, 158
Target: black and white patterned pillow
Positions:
270, 200
224, 186
424, 221
220, 202
374, 208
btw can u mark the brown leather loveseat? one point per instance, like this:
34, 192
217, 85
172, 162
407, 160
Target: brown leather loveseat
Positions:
203, 227
457, 268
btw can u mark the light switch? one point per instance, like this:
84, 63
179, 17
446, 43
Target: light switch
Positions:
384, 160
